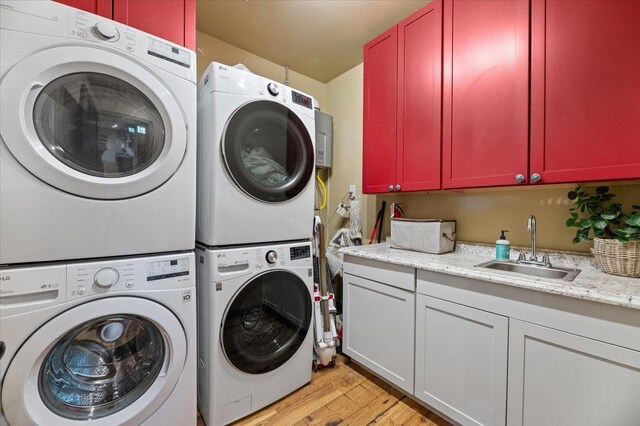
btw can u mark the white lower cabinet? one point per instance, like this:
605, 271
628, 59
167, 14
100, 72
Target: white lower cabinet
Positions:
558, 378
379, 328
461, 361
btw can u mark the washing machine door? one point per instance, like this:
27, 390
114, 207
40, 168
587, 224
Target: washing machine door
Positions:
91, 122
266, 322
110, 361
268, 151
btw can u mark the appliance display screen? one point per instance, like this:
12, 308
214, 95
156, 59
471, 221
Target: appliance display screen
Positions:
300, 99
161, 269
301, 252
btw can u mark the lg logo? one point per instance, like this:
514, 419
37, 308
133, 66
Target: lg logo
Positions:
5, 278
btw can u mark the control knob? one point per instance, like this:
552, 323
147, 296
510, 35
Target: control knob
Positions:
106, 277
105, 30
272, 257
273, 89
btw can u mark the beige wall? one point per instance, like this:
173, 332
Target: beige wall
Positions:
209, 49
480, 213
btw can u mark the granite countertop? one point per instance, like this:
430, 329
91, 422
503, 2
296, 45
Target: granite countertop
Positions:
591, 284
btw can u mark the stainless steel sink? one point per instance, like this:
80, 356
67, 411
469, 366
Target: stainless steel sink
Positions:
565, 274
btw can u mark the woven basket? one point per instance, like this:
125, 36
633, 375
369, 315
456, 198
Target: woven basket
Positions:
617, 258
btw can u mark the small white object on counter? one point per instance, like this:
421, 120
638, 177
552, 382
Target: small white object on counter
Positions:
591, 284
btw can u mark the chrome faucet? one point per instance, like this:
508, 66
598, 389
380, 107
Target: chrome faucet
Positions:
533, 260
531, 226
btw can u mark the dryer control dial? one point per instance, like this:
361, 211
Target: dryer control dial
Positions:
272, 257
273, 89
106, 277
105, 30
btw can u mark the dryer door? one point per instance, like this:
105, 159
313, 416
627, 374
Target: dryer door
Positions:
91, 122
266, 322
110, 361
268, 151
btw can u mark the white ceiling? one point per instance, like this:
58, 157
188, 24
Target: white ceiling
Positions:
318, 38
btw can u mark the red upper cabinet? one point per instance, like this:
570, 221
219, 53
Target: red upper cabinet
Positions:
97, 7
420, 99
585, 90
173, 20
485, 93
402, 98
380, 100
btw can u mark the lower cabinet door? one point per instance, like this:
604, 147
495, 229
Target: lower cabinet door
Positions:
461, 361
558, 378
379, 329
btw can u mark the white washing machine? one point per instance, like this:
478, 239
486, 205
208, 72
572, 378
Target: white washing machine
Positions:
254, 317
98, 127
255, 159
110, 342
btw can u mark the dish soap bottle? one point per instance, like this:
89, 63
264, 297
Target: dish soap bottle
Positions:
503, 247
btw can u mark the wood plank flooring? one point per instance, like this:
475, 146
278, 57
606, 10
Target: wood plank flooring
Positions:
344, 395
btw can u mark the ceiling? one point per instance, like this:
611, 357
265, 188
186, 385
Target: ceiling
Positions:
318, 38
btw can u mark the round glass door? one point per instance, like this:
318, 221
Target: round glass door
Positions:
268, 151
98, 124
93, 123
100, 367
266, 322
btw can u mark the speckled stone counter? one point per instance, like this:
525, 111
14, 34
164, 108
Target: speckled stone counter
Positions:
591, 284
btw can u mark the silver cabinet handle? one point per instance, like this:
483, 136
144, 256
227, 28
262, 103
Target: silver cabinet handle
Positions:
535, 177
398, 187
519, 178
390, 188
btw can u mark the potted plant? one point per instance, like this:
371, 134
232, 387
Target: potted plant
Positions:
616, 234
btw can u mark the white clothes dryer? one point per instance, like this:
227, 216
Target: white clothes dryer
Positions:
254, 318
255, 159
109, 342
98, 127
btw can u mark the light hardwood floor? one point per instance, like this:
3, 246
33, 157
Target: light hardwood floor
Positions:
345, 395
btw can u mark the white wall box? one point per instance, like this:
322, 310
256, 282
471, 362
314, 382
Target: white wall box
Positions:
379, 318
461, 361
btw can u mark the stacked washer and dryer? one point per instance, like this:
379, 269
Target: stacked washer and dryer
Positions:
254, 223
97, 220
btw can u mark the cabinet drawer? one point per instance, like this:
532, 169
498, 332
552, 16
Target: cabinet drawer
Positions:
399, 276
379, 329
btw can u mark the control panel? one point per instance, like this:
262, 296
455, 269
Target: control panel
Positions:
161, 269
300, 99
256, 259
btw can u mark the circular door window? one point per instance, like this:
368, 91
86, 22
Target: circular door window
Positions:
93, 123
266, 322
100, 367
98, 124
268, 151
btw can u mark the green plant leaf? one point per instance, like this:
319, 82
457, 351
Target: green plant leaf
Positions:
572, 195
602, 190
570, 222
609, 215
574, 215
633, 220
600, 224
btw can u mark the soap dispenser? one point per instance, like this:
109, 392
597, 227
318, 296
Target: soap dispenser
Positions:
503, 247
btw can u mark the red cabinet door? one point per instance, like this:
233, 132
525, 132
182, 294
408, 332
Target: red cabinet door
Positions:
172, 20
97, 7
485, 93
379, 120
585, 90
420, 99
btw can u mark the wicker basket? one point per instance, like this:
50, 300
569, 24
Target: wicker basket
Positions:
617, 258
